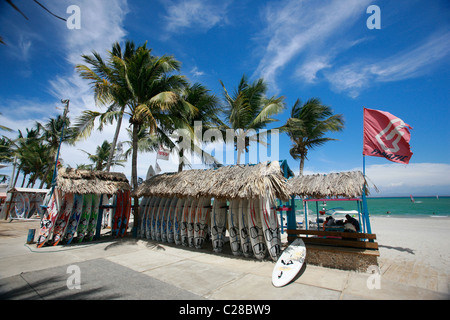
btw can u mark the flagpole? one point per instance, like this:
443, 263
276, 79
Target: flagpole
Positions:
364, 199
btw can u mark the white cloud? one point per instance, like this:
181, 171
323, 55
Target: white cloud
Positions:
200, 14
410, 63
302, 27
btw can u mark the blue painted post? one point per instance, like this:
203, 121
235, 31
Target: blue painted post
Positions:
366, 210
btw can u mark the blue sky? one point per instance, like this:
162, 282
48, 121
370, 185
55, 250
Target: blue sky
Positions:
303, 49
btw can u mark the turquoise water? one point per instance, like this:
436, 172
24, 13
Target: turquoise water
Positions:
398, 206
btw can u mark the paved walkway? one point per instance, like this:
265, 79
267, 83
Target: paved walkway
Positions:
140, 269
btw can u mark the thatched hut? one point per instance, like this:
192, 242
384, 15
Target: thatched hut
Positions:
228, 182
94, 182
343, 184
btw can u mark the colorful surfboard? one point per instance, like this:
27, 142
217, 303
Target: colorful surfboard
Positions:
246, 245
218, 224
77, 209
255, 229
63, 218
49, 218
202, 221
185, 221
85, 216
93, 219
233, 227
271, 228
125, 214
117, 214
177, 221
22, 205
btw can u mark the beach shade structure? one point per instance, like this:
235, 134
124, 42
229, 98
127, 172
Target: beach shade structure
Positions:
343, 184
81, 214
227, 184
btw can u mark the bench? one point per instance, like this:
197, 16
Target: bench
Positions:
341, 250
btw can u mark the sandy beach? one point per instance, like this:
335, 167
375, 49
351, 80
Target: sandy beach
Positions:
414, 263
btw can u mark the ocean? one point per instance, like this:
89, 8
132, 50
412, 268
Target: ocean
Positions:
392, 206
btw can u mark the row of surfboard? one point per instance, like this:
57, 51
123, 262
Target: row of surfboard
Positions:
26, 205
252, 225
74, 216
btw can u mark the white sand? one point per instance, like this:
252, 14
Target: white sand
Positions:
421, 241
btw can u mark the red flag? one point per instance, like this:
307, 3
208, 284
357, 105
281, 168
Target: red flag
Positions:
387, 136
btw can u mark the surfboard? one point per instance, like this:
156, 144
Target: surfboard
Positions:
170, 220
49, 218
255, 230
152, 219
77, 209
191, 220
142, 208
146, 202
246, 245
271, 228
36, 202
126, 212
218, 224
63, 218
233, 227
117, 214
163, 219
103, 215
177, 221
289, 263
93, 219
201, 222
159, 213
185, 221
84, 219
22, 205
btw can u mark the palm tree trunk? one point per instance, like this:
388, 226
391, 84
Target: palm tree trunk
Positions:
134, 173
114, 142
302, 164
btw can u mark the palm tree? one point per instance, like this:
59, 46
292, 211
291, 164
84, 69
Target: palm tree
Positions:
308, 125
138, 85
100, 158
207, 109
249, 110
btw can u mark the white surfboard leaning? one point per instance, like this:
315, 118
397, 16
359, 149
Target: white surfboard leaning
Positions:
177, 221
246, 245
271, 228
184, 222
201, 222
170, 220
190, 222
218, 224
255, 230
289, 263
233, 227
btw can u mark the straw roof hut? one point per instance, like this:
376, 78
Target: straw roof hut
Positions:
86, 181
343, 184
228, 182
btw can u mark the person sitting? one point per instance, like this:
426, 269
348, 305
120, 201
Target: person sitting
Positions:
353, 222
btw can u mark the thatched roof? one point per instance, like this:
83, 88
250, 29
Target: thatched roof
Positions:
86, 181
343, 184
228, 182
